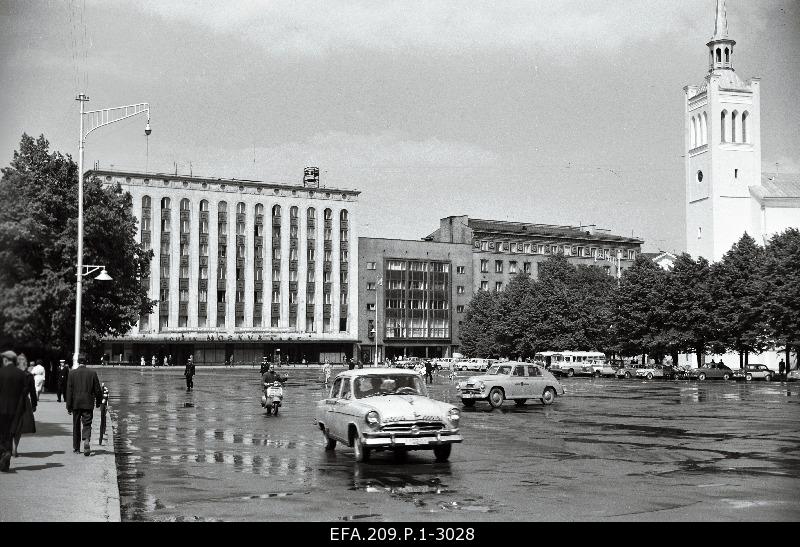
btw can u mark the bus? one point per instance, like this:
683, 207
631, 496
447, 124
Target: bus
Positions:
571, 363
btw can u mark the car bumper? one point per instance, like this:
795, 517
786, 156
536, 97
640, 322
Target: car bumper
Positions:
386, 439
473, 395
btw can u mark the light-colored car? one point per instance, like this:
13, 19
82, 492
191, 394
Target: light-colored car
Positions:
754, 372
793, 376
664, 372
511, 380
474, 363
628, 370
572, 369
715, 371
386, 409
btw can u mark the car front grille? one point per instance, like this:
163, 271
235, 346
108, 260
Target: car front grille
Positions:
407, 426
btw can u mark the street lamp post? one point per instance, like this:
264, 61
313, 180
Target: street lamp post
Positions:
377, 307
95, 119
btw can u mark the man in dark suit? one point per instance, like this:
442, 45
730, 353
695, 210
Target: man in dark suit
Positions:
63, 376
188, 372
13, 385
83, 395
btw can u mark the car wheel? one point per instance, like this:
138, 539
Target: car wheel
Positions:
361, 451
627, 374
726, 376
496, 397
748, 377
548, 396
520, 402
442, 453
597, 374
570, 373
330, 444
767, 378
701, 376
469, 403
649, 375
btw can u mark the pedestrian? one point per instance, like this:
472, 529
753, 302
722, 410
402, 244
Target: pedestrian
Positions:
428, 372
83, 395
14, 389
39, 376
25, 422
264, 366
103, 409
166, 361
189, 374
153, 361
350, 364
141, 363
326, 369
63, 376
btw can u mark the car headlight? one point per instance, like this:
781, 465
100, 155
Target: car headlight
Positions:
459, 385
481, 386
454, 416
373, 418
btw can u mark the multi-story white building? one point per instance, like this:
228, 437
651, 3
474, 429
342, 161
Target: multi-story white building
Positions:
243, 269
726, 192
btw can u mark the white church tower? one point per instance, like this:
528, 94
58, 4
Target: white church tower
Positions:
722, 150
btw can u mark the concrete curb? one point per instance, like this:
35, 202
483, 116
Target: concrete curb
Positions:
50, 483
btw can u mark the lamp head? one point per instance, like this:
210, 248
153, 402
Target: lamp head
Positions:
147, 129
103, 276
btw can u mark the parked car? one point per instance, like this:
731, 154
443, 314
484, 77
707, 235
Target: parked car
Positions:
475, 363
627, 370
572, 369
793, 375
607, 368
664, 372
715, 371
754, 372
511, 380
386, 409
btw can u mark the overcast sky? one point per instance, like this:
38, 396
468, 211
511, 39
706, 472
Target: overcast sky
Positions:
560, 112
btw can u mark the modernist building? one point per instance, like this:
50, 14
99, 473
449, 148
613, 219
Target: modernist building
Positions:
243, 269
412, 296
502, 249
726, 192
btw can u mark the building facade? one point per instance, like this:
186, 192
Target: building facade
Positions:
413, 296
500, 250
726, 192
243, 269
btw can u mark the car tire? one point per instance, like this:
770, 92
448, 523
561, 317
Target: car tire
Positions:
520, 402
649, 375
361, 452
726, 376
748, 377
330, 444
469, 403
496, 397
767, 378
442, 452
548, 396
627, 375
570, 373
701, 376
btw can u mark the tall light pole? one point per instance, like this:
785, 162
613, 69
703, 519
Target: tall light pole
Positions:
379, 284
95, 119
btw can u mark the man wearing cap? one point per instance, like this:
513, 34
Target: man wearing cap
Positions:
83, 394
63, 376
13, 385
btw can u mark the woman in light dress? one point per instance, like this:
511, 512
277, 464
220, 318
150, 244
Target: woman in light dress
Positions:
38, 377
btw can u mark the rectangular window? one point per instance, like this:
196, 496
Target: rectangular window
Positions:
310, 276
292, 276
276, 296
484, 266
326, 277
221, 296
370, 265
526, 267
165, 270
370, 285
185, 226
276, 253
540, 249
328, 256
343, 235
204, 249
292, 297
498, 266
459, 289
328, 234
512, 267
165, 226
258, 297
240, 228
184, 274
222, 251
370, 306
484, 285
460, 269
498, 286
311, 254
527, 248
163, 322
293, 232
293, 254
274, 321
460, 309
276, 274
310, 298
343, 277
183, 295
222, 228
145, 224
326, 298
239, 274
484, 245
221, 271
184, 249
204, 226
202, 296
165, 247
344, 255
258, 274
164, 295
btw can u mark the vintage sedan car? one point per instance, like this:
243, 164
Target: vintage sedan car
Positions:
511, 380
628, 370
572, 369
664, 372
754, 372
386, 409
715, 371
606, 368
793, 376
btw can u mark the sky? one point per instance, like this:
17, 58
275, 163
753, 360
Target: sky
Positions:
546, 111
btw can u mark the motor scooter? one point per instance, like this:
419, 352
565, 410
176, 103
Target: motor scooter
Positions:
272, 398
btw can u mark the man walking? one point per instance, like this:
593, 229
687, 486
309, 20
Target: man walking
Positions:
63, 376
428, 372
14, 386
103, 410
83, 395
189, 374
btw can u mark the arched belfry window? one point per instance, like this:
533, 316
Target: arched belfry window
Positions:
734, 115
723, 118
727, 56
693, 133
745, 115
704, 128
719, 55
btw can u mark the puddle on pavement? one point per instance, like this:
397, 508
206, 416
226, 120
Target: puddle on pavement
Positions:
359, 517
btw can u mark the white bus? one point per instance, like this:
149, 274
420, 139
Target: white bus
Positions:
571, 363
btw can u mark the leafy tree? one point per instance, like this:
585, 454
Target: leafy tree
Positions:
478, 333
514, 311
38, 250
781, 284
553, 318
594, 291
739, 294
640, 309
689, 306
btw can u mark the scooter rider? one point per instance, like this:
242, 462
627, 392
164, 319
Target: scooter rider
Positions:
271, 376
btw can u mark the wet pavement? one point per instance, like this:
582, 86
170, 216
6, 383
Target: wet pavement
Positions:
609, 450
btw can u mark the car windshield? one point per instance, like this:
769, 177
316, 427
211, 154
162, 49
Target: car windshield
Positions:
500, 369
388, 384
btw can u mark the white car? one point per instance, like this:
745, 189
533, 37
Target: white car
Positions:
386, 409
511, 380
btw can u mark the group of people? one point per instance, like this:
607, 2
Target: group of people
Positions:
21, 387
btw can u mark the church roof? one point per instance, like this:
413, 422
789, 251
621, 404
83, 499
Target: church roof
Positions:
777, 186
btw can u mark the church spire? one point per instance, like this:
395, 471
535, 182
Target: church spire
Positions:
721, 22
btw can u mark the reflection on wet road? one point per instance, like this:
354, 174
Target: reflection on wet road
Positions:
609, 450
